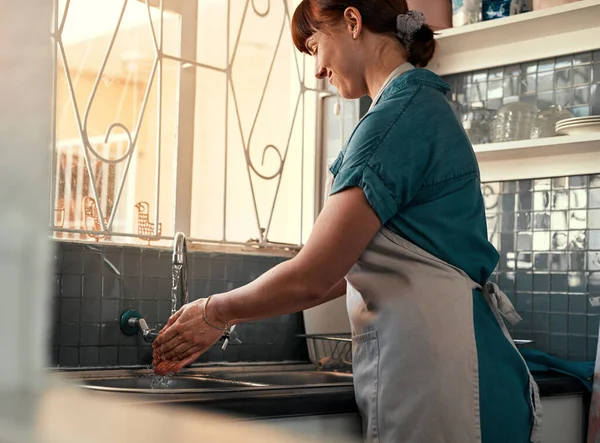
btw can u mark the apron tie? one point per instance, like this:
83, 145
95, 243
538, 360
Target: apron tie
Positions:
501, 303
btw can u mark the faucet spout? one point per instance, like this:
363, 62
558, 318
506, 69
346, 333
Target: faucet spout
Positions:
179, 249
179, 273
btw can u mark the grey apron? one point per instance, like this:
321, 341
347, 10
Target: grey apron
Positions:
414, 351
413, 341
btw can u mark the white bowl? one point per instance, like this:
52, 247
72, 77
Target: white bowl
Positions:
579, 128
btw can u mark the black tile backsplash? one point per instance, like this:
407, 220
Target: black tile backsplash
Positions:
95, 284
548, 234
571, 82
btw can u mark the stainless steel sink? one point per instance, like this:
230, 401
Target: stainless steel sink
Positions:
143, 381
162, 385
291, 378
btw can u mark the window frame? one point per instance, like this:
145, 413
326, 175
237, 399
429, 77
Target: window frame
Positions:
184, 144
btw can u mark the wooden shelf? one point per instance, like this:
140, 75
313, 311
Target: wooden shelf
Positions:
546, 157
541, 147
551, 32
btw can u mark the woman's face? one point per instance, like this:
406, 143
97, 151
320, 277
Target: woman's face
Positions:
338, 58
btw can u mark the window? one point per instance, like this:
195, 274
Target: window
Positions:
115, 120
193, 116
340, 117
75, 206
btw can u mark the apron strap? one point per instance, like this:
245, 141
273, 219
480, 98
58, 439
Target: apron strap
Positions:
501, 303
501, 306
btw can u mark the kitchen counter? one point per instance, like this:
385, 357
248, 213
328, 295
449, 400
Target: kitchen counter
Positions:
553, 384
299, 401
65, 414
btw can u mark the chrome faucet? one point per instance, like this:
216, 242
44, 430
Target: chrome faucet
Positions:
132, 322
179, 285
179, 273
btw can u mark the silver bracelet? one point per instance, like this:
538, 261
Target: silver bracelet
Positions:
228, 331
227, 325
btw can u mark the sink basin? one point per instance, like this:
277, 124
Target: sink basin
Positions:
291, 378
145, 382
161, 385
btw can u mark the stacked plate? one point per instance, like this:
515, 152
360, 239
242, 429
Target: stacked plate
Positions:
578, 125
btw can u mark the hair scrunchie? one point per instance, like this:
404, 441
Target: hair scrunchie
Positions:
408, 24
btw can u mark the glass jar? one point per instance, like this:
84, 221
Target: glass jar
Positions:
477, 124
514, 121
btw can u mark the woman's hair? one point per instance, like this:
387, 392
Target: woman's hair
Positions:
378, 16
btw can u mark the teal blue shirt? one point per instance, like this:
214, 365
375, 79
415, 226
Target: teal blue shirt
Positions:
416, 166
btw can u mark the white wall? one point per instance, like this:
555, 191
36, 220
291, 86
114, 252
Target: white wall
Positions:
25, 124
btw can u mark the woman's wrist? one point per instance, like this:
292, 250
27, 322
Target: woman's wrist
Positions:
212, 314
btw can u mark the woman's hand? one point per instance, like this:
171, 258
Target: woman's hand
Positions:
185, 337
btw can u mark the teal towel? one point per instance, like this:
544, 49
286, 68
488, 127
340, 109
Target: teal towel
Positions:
539, 361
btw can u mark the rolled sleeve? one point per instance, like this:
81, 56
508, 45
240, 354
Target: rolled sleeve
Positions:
386, 158
379, 196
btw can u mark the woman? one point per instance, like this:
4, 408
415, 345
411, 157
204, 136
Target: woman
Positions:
403, 233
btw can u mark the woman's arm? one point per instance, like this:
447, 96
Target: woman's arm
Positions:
337, 291
343, 230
